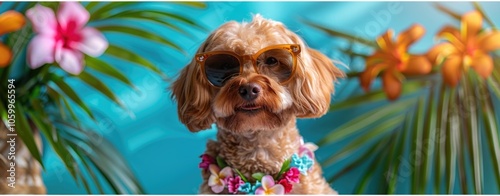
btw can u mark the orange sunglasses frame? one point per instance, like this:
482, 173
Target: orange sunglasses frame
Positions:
294, 49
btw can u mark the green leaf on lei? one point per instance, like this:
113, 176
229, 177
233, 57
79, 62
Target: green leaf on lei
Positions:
285, 167
258, 176
221, 163
241, 175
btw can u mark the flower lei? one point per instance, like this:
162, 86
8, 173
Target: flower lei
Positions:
236, 182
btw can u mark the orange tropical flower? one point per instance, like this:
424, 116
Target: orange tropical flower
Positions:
466, 47
9, 21
392, 58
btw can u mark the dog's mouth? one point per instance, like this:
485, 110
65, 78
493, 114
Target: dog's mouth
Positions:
249, 107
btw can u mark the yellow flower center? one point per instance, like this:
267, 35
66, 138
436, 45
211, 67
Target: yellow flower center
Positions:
467, 61
470, 51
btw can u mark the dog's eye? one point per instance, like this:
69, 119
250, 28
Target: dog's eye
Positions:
271, 61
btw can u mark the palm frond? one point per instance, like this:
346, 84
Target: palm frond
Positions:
23, 128
192, 4
428, 140
70, 93
446, 10
99, 152
48, 103
120, 52
105, 68
344, 35
139, 33
375, 96
100, 86
442, 136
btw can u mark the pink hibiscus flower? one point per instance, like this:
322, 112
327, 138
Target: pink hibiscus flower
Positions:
292, 175
233, 183
63, 39
206, 160
287, 185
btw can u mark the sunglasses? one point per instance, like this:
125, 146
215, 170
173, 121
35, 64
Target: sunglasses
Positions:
277, 62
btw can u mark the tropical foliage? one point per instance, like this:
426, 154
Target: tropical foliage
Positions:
439, 128
63, 41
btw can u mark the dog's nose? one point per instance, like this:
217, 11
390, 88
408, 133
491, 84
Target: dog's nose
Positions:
250, 91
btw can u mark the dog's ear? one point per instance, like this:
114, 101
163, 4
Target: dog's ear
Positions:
315, 77
193, 95
312, 84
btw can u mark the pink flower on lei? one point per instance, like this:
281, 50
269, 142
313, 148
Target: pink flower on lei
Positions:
287, 185
233, 183
269, 187
218, 178
206, 160
292, 175
307, 148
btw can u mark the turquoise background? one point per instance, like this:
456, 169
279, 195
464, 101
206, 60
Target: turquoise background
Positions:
163, 153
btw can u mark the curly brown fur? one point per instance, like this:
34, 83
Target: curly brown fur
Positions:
260, 140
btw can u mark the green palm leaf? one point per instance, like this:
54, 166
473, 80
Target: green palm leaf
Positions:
192, 4
105, 10
55, 141
474, 135
396, 155
147, 14
428, 141
69, 92
375, 96
377, 131
490, 120
130, 56
105, 68
417, 131
99, 86
361, 186
90, 6
445, 130
376, 147
441, 126
87, 166
365, 120
45, 90
107, 160
451, 143
344, 35
139, 33
25, 132
446, 10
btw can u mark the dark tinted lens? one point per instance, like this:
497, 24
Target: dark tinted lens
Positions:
276, 63
220, 67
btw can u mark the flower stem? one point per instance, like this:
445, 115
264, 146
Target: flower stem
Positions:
448, 11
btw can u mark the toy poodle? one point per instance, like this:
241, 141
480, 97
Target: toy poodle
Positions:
253, 80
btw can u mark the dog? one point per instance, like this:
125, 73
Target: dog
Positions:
253, 80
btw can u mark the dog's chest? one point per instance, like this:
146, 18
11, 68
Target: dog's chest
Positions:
257, 154
263, 160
